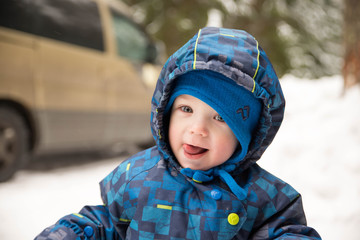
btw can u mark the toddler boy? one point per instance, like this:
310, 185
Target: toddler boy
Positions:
217, 106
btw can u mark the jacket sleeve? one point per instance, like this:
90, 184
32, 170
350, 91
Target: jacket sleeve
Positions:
94, 222
288, 223
111, 220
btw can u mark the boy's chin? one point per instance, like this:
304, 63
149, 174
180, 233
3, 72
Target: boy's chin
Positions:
194, 166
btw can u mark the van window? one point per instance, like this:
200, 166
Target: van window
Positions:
131, 42
16, 14
71, 21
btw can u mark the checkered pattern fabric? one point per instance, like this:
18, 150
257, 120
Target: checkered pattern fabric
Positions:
148, 197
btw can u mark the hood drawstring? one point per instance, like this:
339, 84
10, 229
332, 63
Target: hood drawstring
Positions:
222, 171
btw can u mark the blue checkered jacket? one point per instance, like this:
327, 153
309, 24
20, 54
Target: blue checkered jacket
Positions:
148, 196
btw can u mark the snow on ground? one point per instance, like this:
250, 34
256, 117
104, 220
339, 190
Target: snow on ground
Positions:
317, 151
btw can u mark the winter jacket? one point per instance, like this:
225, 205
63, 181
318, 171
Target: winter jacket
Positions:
148, 196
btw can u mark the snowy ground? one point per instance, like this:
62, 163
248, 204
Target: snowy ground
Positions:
317, 151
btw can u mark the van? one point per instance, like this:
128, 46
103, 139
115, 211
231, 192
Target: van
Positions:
74, 75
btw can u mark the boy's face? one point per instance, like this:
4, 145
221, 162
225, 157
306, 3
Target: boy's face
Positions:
199, 138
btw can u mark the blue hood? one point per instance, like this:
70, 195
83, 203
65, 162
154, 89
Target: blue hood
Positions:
236, 55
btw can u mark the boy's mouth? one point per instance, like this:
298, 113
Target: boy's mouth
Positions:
192, 151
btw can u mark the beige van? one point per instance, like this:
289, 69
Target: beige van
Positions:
74, 75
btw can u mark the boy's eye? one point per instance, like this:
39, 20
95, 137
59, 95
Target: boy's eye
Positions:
219, 118
186, 109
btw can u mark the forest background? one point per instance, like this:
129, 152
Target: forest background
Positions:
307, 39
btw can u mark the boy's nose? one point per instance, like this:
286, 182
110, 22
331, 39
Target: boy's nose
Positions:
198, 127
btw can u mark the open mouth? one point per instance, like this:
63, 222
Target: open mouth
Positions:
192, 151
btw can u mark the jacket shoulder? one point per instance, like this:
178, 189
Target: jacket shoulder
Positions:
267, 195
267, 186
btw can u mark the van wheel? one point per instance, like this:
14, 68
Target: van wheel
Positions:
13, 142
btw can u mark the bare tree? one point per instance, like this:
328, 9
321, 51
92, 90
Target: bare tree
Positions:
351, 67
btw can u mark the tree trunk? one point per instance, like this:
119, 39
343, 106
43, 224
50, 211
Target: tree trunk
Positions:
351, 67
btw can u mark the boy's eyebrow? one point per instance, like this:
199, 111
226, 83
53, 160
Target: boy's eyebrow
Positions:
183, 97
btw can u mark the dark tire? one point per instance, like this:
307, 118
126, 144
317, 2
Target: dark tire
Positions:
13, 142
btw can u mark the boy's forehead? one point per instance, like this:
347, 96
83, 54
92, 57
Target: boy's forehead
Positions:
192, 102
190, 99
186, 97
